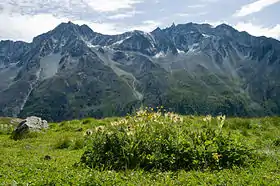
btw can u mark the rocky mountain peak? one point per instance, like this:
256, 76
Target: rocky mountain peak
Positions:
156, 30
65, 32
72, 71
226, 30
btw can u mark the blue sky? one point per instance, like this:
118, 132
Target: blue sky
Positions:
24, 19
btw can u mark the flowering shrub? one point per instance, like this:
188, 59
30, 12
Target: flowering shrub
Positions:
158, 140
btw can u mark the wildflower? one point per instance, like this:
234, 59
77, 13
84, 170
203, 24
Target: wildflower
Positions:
100, 129
175, 119
88, 132
208, 118
157, 121
125, 121
115, 123
216, 156
181, 119
130, 133
130, 127
156, 115
141, 113
140, 119
221, 119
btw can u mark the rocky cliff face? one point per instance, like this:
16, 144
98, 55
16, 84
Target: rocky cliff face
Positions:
73, 72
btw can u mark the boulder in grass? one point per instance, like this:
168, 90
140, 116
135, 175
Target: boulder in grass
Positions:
30, 124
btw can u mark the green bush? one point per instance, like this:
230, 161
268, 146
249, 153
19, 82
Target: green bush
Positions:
63, 143
78, 144
164, 145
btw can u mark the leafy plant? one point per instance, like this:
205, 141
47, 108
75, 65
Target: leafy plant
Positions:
64, 143
167, 139
151, 140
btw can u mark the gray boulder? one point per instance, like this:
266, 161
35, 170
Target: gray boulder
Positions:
30, 124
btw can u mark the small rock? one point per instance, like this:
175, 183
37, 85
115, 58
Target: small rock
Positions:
30, 124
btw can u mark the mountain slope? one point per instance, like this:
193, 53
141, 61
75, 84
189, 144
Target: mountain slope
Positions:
73, 72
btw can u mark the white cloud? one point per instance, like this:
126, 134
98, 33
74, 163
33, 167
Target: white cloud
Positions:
197, 6
216, 23
124, 15
47, 6
253, 29
259, 30
254, 7
25, 19
191, 15
25, 27
111, 6
19, 27
66, 7
103, 28
183, 14
147, 26
210, 1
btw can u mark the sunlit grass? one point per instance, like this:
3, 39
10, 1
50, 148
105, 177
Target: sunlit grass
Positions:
24, 161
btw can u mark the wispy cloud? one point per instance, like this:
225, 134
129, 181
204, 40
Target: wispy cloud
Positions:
147, 26
124, 15
25, 27
254, 7
24, 19
253, 29
112, 6
66, 7
259, 30
197, 6
210, 1
191, 14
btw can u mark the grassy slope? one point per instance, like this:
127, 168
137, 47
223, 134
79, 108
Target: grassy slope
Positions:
23, 161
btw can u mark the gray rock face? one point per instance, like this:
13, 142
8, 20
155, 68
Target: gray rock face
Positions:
73, 72
30, 124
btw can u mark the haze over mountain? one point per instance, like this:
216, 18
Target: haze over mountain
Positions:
73, 72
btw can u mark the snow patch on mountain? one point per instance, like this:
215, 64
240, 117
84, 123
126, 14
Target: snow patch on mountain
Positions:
193, 48
91, 45
206, 35
160, 55
121, 41
180, 51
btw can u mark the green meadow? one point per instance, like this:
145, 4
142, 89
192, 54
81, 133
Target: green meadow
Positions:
146, 148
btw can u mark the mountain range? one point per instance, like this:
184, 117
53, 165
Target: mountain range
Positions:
74, 72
